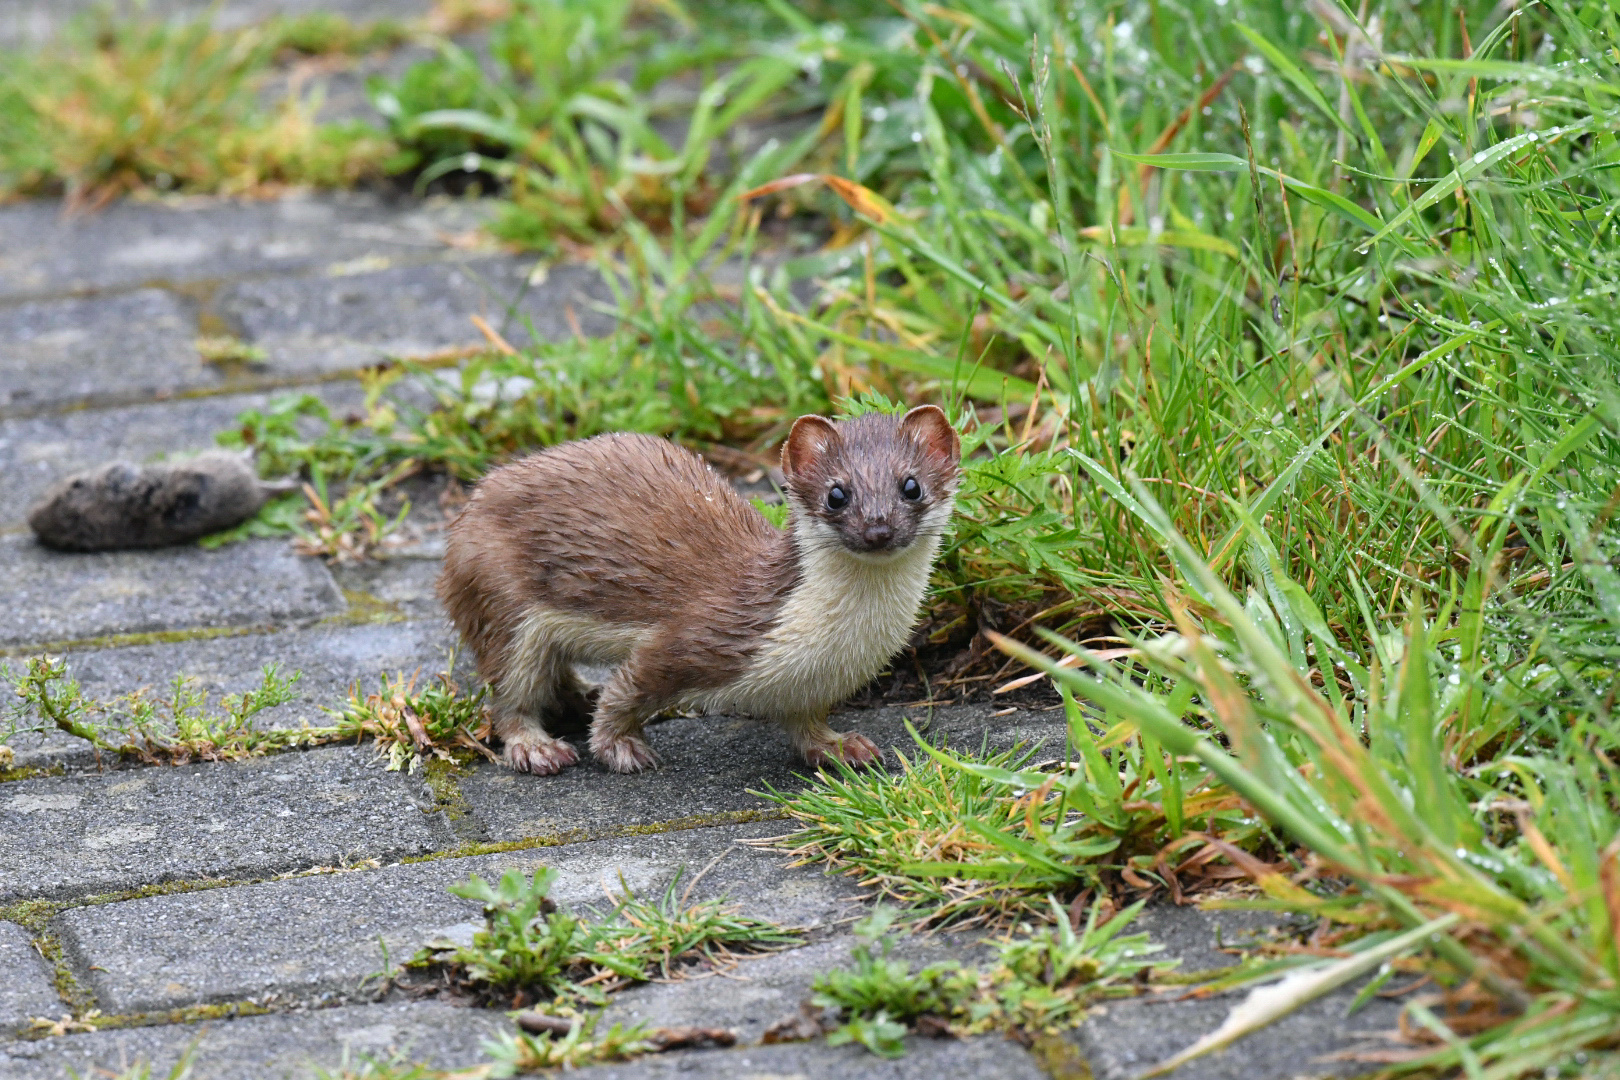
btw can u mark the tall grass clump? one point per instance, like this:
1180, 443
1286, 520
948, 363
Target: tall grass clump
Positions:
116, 106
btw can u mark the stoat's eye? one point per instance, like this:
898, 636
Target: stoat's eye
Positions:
837, 498
911, 489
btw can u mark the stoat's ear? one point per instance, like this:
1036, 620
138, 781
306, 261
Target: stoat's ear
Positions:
927, 427
810, 440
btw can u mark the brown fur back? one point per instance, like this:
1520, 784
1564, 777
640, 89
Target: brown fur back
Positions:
625, 528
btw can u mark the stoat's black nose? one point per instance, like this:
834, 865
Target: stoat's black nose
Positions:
877, 535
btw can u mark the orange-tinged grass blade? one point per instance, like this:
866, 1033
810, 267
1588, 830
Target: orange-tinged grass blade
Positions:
861, 199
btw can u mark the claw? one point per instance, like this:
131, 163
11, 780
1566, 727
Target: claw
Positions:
852, 748
539, 754
625, 754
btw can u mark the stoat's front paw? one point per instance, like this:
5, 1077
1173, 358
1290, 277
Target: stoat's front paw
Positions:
539, 754
852, 748
624, 754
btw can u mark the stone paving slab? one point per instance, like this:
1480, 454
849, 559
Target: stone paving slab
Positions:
276, 1047
56, 352
126, 348
68, 836
330, 658
199, 242
339, 322
988, 1058
709, 765
764, 989
299, 936
26, 986
37, 451
405, 585
50, 596
1123, 1038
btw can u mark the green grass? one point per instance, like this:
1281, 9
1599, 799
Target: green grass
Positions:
176, 728
114, 107
1044, 978
981, 838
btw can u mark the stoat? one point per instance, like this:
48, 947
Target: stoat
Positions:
628, 550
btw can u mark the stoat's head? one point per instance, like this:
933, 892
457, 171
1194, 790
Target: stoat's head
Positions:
873, 485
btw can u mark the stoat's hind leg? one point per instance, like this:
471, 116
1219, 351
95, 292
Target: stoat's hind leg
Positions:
537, 683
819, 743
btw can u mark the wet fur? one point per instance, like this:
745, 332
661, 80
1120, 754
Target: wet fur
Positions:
627, 550
122, 505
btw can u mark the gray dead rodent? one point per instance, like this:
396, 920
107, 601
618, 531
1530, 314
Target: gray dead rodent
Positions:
122, 505
628, 550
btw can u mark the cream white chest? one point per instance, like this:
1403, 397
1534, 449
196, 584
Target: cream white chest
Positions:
837, 629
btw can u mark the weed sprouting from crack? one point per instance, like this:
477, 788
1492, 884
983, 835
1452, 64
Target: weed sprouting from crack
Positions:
1044, 977
531, 951
407, 725
349, 528
175, 729
438, 722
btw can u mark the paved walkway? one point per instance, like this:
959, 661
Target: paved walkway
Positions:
268, 890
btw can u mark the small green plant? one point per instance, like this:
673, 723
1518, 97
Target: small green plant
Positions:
876, 825
526, 943
520, 1052
362, 454
1044, 977
880, 995
174, 729
409, 725
406, 724
529, 950
668, 932
351, 528
1048, 973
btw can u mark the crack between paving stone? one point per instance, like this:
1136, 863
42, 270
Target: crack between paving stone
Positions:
441, 358
150, 637
35, 913
189, 1014
201, 291
566, 837
190, 288
364, 609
